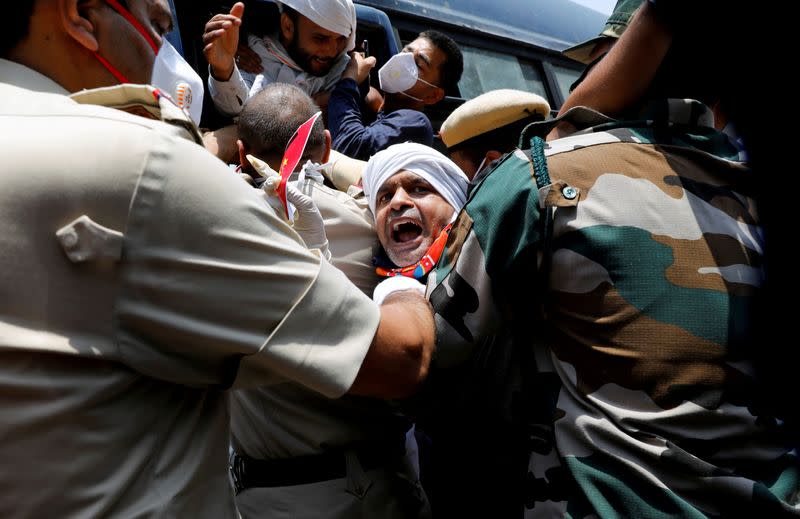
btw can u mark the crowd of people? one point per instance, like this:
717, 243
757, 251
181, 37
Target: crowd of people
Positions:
556, 317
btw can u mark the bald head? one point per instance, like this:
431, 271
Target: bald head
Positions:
269, 119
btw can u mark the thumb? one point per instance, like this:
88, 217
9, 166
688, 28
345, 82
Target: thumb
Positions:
370, 61
237, 10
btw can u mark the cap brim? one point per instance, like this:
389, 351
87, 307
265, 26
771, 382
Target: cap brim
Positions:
583, 51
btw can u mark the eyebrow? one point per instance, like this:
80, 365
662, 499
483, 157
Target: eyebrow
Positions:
419, 181
414, 182
419, 55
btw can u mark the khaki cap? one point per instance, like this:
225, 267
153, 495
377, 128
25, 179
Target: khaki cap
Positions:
490, 111
614, 27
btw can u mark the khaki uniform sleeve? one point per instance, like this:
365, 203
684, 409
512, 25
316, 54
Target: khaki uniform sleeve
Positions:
213, 281
351, 235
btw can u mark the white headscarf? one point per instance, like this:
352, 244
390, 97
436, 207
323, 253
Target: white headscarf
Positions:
424, 161
338, 16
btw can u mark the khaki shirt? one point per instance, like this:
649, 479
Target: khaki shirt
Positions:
350, 228
287, 420
113, 360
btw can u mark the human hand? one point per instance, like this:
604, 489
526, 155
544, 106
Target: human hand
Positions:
247, 59
359, 67
321, 99
222, 143
308, 221
221, 39
374, 100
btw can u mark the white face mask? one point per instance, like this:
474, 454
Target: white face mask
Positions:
176, 78
399, 74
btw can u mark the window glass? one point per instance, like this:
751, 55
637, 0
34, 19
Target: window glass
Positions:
486, 70
565, 77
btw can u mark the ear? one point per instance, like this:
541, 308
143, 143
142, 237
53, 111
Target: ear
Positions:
434, 96
287, 27
327, 155
243, 156
76, 18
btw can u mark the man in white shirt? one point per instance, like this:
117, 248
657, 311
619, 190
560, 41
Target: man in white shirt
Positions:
309, 51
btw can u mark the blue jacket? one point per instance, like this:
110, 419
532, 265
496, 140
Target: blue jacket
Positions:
355, 139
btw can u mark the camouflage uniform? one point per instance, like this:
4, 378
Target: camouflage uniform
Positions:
642, 253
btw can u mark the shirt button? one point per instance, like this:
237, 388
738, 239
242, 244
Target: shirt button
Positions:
569, 192
70, 238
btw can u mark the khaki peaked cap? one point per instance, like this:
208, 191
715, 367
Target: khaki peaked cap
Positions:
490, 111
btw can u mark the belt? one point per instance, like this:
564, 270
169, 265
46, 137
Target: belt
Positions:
248, 472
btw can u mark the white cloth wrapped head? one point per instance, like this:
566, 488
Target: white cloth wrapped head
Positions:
439, 171
338, 16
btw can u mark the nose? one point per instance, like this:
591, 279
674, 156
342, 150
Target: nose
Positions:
329, 49
400, 199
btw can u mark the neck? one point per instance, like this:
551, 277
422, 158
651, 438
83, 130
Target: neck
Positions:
60, 59
392, 102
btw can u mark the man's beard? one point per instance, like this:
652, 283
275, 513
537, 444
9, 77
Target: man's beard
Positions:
306, 61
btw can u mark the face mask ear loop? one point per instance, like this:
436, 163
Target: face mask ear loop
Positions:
480, 166
133, 21
429, 84
412, 97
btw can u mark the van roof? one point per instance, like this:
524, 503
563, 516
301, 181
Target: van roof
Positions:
551, 24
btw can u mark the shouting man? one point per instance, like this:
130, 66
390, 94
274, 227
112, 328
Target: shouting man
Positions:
414, 192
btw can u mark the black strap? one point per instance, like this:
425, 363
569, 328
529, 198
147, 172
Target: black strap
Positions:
248, 472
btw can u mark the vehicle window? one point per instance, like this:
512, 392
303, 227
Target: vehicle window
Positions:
565, 77
486, 70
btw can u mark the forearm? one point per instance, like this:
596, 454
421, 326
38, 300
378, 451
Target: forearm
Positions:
397, 362
344, 118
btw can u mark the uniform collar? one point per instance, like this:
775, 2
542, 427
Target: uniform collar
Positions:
21, 76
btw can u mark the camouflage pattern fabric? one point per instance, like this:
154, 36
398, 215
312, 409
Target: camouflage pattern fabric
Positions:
640, 394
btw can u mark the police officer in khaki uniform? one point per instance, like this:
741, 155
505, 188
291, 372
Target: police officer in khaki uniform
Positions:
297, 453
480, 131
140, 280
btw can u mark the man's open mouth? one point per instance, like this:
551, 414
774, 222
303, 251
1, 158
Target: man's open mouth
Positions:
404, 231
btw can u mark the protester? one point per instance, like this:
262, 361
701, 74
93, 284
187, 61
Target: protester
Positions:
417, 77
309, 51
415, 193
